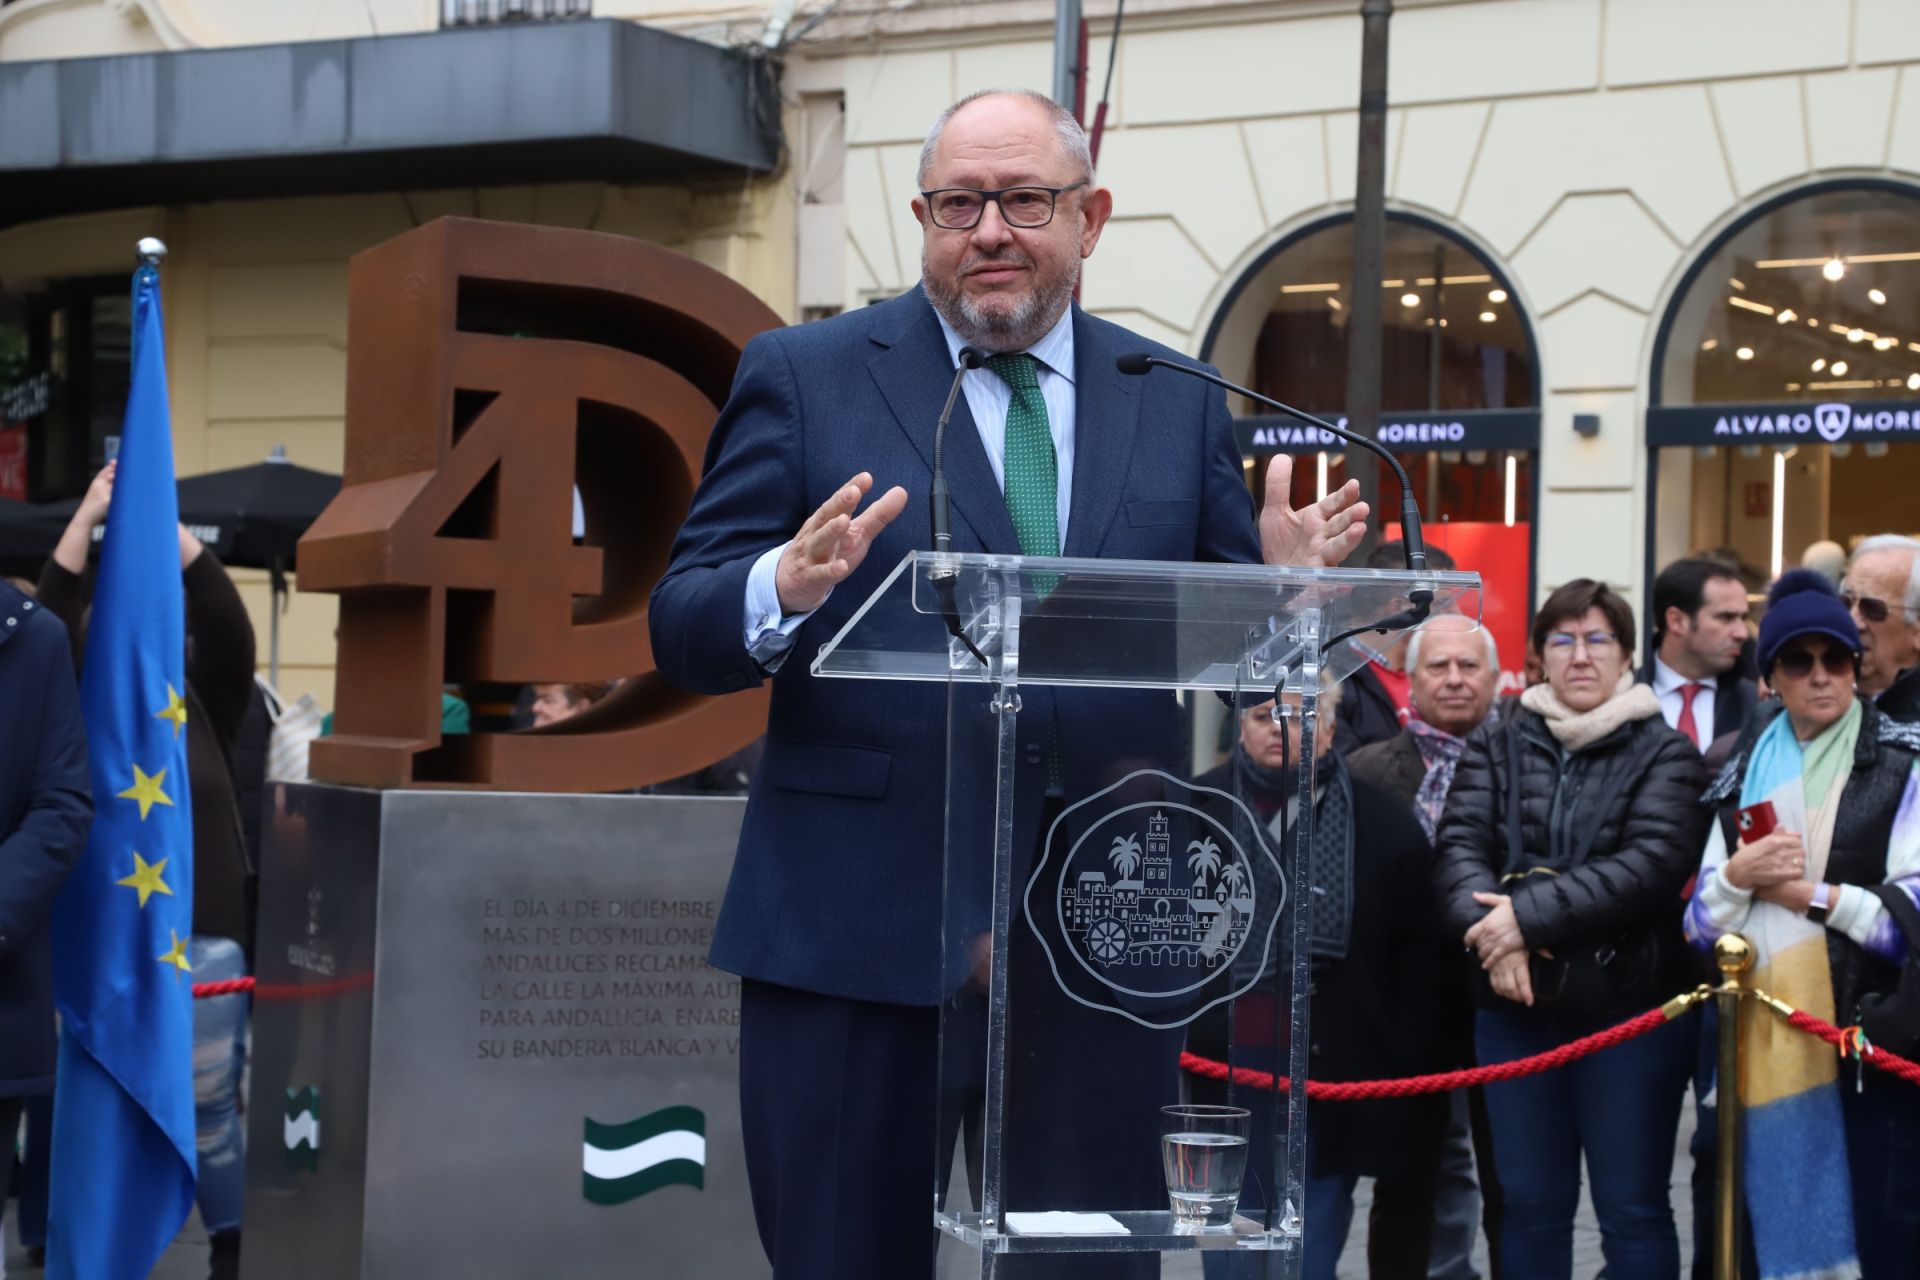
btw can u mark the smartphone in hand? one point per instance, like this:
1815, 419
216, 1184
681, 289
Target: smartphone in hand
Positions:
1757, 821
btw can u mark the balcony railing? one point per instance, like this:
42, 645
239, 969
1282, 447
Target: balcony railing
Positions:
471, 13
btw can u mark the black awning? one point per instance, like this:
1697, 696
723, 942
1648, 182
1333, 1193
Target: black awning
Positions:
491, 105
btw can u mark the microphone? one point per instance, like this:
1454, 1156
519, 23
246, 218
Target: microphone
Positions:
1141, 362
1138, 363
939, 505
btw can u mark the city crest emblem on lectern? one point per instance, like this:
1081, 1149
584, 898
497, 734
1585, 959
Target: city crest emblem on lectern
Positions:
1157, 899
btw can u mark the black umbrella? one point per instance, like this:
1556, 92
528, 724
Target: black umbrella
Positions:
253, 516
28, 534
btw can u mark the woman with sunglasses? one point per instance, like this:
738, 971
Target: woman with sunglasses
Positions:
1571, 826
1819, 813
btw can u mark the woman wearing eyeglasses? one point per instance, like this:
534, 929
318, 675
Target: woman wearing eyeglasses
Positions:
1571, 828
1819, 814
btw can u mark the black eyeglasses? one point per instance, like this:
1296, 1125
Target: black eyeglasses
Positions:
1798, 663
1871, 608
961, 208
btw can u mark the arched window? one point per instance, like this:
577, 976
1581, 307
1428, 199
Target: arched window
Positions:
1786, 388
1457, 354
1459, 392
1815, 299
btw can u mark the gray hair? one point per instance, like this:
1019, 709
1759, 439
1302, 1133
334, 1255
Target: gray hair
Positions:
1413, 648
1895, 542
1072, 138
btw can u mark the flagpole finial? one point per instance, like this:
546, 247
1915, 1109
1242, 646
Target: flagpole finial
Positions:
151, 250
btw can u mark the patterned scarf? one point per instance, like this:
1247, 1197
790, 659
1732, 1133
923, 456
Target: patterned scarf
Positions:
1330, 869
1441, 752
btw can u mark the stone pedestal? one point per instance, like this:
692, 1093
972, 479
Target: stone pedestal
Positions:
495, 1015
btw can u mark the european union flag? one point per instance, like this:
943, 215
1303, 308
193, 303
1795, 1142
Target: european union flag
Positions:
123, 1132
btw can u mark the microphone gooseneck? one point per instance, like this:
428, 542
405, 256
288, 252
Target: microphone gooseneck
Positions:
939, 503
1420, 599
1140, 362
940, 512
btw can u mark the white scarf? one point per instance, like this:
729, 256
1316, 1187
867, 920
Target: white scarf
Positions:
1578, 730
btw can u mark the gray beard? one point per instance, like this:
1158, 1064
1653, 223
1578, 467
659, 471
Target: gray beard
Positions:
1026, 324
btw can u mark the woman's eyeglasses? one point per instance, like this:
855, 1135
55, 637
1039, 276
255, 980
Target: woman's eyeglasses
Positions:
1798, 663
1561, 644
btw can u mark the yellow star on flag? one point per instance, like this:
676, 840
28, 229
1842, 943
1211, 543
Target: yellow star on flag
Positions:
176, 955
175, 710
146, 879
147, 791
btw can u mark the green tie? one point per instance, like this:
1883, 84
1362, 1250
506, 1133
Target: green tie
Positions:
1032, 476
1033, 487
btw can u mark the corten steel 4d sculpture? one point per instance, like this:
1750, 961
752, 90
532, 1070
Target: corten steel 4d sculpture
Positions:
490, 368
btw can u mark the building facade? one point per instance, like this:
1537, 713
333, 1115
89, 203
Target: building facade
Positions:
262, 221
1602, 213
1653, 268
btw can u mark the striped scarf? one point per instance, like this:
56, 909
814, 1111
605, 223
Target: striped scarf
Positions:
1797, 1181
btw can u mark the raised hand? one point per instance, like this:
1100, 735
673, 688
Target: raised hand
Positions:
1319, 534
832, 543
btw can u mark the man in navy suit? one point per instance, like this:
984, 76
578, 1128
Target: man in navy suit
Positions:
833, 915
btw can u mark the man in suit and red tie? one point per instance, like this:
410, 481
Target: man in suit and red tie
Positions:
1700, 626
833, 914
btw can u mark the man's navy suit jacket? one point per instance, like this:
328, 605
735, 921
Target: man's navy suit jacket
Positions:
837, 885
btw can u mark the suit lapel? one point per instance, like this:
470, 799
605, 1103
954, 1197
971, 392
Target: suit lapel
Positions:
913, 372
1106, 421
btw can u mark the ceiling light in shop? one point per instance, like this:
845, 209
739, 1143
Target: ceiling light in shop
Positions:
1742, 303
1793, 386
1487, 317
1737, 283
1409, 299
1710, 344
1833, 269
1878, 298
1885, 344
1819, 364
1744, 353
1310, 288
1856, 335
1496, 295
1913, 382
1334, 303
1839, 369
1786, 315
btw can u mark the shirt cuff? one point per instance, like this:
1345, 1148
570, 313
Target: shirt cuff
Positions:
769, 634
1727, 906
1854, 911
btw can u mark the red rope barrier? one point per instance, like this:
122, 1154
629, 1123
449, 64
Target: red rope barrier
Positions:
281, 991
1441, 1082
1885, 1059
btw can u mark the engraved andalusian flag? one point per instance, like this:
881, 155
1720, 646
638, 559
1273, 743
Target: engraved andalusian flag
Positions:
622, 1162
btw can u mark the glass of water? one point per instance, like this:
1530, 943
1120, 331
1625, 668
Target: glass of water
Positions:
1204, 1152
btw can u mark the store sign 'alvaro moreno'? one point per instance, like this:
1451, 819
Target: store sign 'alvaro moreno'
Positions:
1402, 432
1836, 422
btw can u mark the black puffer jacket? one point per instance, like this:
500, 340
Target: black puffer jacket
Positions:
1620, 825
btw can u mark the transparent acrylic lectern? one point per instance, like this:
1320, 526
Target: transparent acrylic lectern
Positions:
1104, 911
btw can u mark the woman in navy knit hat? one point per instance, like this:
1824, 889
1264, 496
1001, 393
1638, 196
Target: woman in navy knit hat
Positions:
1830, 1178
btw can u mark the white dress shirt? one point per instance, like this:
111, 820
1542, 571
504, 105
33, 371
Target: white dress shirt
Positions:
1670, 687
769, 634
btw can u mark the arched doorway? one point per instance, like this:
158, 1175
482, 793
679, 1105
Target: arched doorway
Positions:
1785, 406
1460, 392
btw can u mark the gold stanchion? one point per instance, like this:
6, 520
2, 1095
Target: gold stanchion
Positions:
1734, 955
